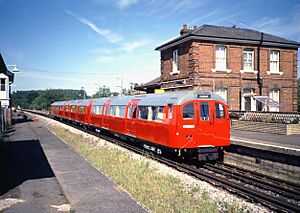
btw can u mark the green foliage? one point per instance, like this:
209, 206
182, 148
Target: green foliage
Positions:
104, 92
130, 90
41, 99
157, 191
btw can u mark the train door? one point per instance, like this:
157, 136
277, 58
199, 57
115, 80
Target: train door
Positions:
88, 112
188, 124
133, 113
221, 123
205, 126
105, 114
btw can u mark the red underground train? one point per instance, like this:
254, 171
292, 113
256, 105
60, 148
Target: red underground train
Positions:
193, 124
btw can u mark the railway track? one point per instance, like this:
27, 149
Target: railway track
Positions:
276, 194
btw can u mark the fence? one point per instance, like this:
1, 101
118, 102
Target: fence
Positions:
269, 117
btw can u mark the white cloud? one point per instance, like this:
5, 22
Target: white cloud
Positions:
125, 3
288, 26
106, 33
129, 47
263, 22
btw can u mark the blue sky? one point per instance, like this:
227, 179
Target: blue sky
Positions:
87, 43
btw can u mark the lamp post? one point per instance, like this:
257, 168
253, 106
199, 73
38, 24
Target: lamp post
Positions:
98, 89
82, 89
14, 70
121, 86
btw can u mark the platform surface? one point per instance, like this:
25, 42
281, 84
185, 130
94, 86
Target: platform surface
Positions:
84, 187
289, 144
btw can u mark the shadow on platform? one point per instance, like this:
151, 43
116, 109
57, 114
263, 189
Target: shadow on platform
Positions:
20, 118
21, 161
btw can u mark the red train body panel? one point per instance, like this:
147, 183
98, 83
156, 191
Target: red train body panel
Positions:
194, 123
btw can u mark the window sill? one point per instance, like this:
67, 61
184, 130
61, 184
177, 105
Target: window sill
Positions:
175, 72
249, 71
221, 70
274, 73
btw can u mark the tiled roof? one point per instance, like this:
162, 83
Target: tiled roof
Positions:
153, 83
4, 70
232, 34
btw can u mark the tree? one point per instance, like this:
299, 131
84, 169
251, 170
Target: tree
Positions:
42, 99
102, 92
130, 90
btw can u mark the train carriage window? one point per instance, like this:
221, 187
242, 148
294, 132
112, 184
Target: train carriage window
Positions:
220, 111
158, 113
66, 108
97, 109
134, 112
170, 111
143, 112
73, 108
204, 111
188, 111
122, 111
81, 110
129, 111
60, 108
150, 113
113, 110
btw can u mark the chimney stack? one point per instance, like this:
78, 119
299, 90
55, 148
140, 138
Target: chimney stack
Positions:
184, 30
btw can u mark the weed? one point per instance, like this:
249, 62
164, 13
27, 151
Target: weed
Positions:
158, 192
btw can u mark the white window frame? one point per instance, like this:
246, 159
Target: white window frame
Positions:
274, 63
175, 62
248, 60
276, 98
221, 60
247, 92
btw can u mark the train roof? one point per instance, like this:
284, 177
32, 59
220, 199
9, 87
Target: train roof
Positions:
84, 102
73, 102
58, 103
164, 99
100, 101
177, 98
123, 100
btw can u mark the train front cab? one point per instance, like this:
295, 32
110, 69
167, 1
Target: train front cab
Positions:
204, 128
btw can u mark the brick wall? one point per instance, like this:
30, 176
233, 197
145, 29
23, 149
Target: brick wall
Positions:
272, 128
197, 59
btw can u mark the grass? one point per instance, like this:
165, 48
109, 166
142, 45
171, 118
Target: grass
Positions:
156, 191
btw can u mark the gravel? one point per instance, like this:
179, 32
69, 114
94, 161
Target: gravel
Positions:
220, 196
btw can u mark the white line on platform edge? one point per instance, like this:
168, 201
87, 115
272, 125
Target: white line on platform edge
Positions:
271, 145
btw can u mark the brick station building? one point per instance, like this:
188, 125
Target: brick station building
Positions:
238, 64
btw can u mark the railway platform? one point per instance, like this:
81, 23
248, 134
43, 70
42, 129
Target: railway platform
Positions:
285, 144
276, 152
73, 179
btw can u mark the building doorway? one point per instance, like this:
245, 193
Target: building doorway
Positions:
274, 94
248, 101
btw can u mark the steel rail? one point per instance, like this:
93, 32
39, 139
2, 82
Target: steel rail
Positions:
273, 202
258, 182
275, 180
